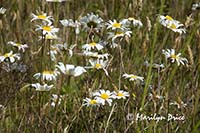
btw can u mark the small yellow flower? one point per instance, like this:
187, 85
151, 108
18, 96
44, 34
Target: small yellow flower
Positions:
98, 66
132, 77
116, 25
43, 17
92, 44
121, 94
104, 96
168, 17
47, 28
170, 53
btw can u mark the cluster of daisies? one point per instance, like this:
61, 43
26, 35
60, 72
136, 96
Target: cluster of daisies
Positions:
102, 97
101, 35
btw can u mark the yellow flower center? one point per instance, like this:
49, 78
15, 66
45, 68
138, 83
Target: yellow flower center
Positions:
173, 26
169, 18
92, 44
116, 25
18, 44
104, 96
41, 16
173, 56
46, 28
120, 94
48, 72
93, 102
98, 65
7, 55
133, 77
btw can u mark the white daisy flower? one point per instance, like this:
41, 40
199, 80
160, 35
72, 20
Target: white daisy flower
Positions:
119, 34
92, 102
195, 6
132, 21
92, 45
104, 96
12, 57
47, 29
2, 10
155, 65
170, 54
43, 17
96, 55
69, 69
20, 46
71, 23
53, 52
121, 94
98, 64
55, 99
91, 21
176, 27
172, 24
47, 75
115, 25
39, 87
132, 77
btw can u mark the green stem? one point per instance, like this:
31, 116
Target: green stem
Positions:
151, 60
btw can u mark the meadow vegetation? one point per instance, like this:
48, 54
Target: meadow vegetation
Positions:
120, 63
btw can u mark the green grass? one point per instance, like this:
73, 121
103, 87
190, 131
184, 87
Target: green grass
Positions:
27, 110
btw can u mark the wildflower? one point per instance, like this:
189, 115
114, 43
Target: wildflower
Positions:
91, 102
132, 21
115, 25
172, 24
155, 65
19, 45
132, 77
104, 96
176, 27
71, 23
92, 45
47, 29
53, 52
91, 21
55, 99
120, 94
9, 56
170, 54
195, 6
2, 10
46, 75
96, 55
119, 34
39, 87
43, 17
98, 64
69, 69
